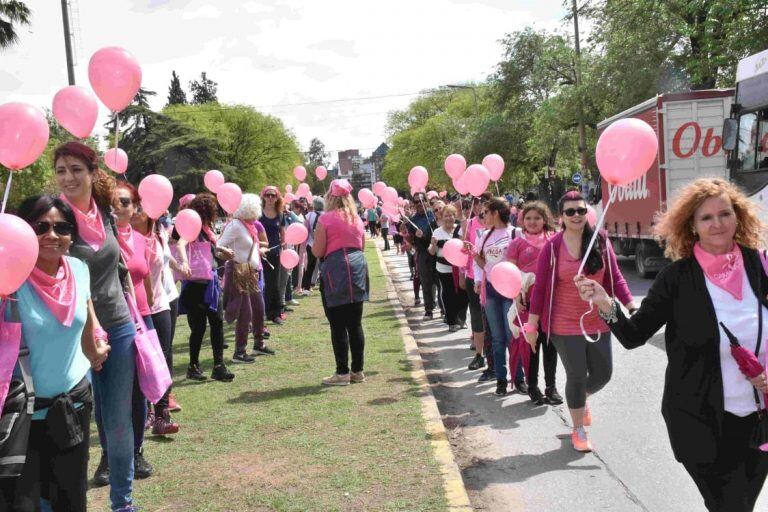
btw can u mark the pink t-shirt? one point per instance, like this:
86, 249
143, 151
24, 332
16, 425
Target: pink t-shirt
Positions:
567, 306
138, 267
523, 254
339, 233
474, 226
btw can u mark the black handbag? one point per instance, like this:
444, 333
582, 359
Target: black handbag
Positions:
759, 436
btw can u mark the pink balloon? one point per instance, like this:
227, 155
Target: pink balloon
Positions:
115, 76
476, 179
625, 151
289, 188
591, 216
288, 197
401, 201
460, 184
302, 189
116, 159
213, 180
366, 198
395, 217
289, 258
431, 194
389, 209
379, 187
23, 135
443, 193
415, 191
75, 109
455, 165
495, 165
229, 196
389, 195
156, 193
188, 224
506, 279
418, 177
18, 252
321, 172
300, 173
296, 234
454, 252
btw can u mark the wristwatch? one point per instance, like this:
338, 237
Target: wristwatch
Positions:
612, 316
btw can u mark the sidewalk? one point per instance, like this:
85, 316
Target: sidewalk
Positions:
516, 456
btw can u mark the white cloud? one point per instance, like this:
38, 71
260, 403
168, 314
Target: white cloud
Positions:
267, 52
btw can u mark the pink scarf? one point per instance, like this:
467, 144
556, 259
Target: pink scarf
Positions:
125, 240
90, 225
57, 292
209, 233
724, 270
252, 230
536, 241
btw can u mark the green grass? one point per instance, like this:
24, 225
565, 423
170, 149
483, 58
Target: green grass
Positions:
275, 439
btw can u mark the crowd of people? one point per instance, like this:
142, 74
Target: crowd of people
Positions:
714, 293
106, 271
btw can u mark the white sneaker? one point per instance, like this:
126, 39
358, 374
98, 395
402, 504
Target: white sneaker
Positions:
336, 380
294, 302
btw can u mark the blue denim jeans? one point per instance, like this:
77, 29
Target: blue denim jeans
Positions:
496, 309
113, 398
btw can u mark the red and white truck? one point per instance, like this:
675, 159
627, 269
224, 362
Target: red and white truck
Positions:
689, 128
719, 132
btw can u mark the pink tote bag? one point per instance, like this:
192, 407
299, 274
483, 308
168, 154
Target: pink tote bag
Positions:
10, 341
151, 368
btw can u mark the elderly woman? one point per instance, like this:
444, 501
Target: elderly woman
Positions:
716, 281
242, 295
339, 241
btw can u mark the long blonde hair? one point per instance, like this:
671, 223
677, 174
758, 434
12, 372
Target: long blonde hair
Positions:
675, 227
344, 204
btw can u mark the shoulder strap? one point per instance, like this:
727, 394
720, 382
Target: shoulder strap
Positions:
24, 365
759, 340
314, 223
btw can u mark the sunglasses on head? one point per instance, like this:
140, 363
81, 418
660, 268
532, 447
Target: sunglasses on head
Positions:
60, 228
125, 202
570, 212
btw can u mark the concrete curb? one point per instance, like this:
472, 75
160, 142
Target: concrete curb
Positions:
453, 484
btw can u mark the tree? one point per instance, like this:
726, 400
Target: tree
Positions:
203, 91
314, 158
12, 12
176, 95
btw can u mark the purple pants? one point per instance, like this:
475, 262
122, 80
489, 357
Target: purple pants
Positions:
247, 309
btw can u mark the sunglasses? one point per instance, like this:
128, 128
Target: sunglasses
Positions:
270, 196
125, 202
60, 228
570, 212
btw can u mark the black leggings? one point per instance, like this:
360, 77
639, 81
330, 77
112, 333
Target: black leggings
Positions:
306, 281
60, 476
475, 310
455, 300
732, 482
550, 362
347, 336
272, 302
197, 314
165, 323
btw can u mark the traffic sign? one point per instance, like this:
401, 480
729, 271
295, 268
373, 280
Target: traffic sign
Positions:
576, 178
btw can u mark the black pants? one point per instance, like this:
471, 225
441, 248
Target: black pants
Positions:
732, 483
198, 314
272, 303
550, 362
59, 476
306, 281
164, 327
384, 233
475, 309
372, 228
347, 336
425, 263
454, 299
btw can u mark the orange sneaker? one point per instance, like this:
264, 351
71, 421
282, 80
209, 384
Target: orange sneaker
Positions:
587, 416
580, 440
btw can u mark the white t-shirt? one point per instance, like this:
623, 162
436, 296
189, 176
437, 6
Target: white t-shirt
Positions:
494, 249
441, 234
237, 237
741, 319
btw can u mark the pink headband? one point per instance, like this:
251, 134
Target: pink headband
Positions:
340, 188
183, 200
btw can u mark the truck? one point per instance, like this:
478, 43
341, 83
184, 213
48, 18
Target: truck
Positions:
689, 128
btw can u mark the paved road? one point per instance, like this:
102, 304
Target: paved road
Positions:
517, 456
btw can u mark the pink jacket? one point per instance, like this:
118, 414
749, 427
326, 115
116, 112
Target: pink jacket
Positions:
546, 270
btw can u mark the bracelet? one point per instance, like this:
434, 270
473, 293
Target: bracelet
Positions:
100, 335
612, 316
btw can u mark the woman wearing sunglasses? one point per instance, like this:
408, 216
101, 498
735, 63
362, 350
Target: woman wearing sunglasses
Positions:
555, 301
272, 219
55, 311
88, 191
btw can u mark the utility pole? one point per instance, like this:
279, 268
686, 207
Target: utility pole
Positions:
68, 41
579, 105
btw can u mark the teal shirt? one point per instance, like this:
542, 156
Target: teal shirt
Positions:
57, 361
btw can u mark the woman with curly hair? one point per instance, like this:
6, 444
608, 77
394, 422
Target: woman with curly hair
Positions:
200, 296
715, 282
88, 191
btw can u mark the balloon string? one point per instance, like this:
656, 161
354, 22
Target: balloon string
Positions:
611, 197
497, 188
469, 217
583, 329
7, 190
407, 218
117, 127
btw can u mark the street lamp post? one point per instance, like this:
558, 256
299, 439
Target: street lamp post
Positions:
474, 95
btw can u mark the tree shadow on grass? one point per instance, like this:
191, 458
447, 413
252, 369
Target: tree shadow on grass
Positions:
249, 397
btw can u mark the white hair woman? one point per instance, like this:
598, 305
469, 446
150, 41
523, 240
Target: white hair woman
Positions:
243, 297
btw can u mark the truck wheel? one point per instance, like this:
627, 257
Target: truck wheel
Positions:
640, 267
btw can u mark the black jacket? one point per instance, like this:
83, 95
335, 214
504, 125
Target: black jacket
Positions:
692, 404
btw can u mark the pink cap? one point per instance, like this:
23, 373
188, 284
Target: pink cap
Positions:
340, 187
